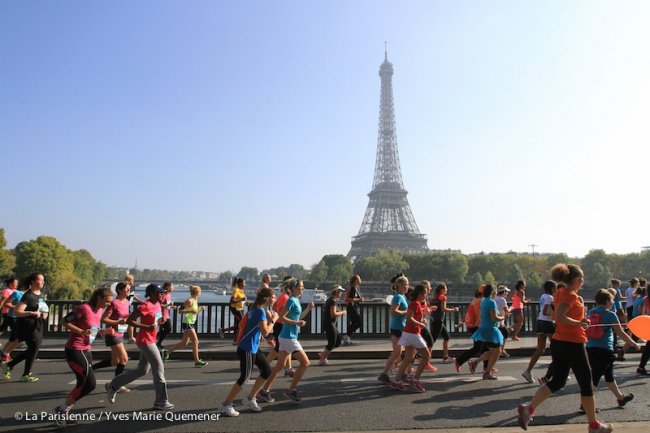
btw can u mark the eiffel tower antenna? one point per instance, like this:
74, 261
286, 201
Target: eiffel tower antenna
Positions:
388, 223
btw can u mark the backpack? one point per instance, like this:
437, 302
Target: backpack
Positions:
596, 330
470, 317
242, 328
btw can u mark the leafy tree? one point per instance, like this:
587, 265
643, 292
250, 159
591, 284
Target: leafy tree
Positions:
598, 277
534, 283
7, 259
340, 273
554, 259
47, 255
297, 271
225, 276
249, 273
318, 272
489, 278
515, 274
476, 279
458, 266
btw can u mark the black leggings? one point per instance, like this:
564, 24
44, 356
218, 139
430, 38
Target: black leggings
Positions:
246, 362
645, 356
438, 330
277, 328
333, 336
354, 319
7, 322
427, 337
567, 357
33, 341
163, 331
80, 362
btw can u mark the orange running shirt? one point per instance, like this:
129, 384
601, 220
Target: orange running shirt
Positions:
576, 311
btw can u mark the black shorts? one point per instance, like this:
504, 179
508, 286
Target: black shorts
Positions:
187, 326
504, 332
112, 340
601, 361
396, 332
490, 345
545, 327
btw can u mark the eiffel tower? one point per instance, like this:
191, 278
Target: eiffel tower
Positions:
388, 223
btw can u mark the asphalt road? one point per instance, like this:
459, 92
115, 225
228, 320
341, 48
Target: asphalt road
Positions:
342, 397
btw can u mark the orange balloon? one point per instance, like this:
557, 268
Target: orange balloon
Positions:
640, 326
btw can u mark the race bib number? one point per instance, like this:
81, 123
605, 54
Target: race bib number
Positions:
157, 318
42, 306
122, 328
93, 333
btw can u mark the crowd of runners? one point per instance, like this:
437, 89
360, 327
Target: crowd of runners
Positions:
585, 342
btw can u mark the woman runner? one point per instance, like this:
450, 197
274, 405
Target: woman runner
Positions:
330, 314
260, 320
189, 311
150, 314
84, 325
115, 316
567, 350
398, 310
545, 327
30, 323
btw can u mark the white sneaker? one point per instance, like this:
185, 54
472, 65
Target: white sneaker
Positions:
323, 361
528, 375
228, 410
252, 403
602, 428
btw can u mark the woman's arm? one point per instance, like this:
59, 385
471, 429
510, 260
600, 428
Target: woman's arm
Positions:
19, 311
335, 313
307, 310
561, 317
395, 311
132, 320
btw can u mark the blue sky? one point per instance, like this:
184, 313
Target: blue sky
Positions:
208, 135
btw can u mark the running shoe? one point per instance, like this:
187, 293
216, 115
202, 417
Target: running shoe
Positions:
130, 340
324, 361
383, 378
164, 355
457, 367
528, 375
7, 372
29, 378
200, 363
642, 371
625, 400
602, 428
492, 370
515, 338
61, 417
504, 354
489, 376
289, 372
472, 366
228, 410
166, 406
222, 336
110, 393
265, 396
252, 403
524, 416
398, 385
448, 359
6, 357
430, 367
417, 385
123, 390
292, 394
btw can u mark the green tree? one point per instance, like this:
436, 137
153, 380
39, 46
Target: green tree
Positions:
475, 279
534, 283
598, 277
458, 267
7, 259
47, 255
515, 274
489, 279
249, 273
225, 276
318, 273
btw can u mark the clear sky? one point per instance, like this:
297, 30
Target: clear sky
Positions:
208, 135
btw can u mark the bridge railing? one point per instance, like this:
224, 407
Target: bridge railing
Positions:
375, 319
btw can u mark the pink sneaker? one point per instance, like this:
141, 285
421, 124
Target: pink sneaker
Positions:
417, 385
